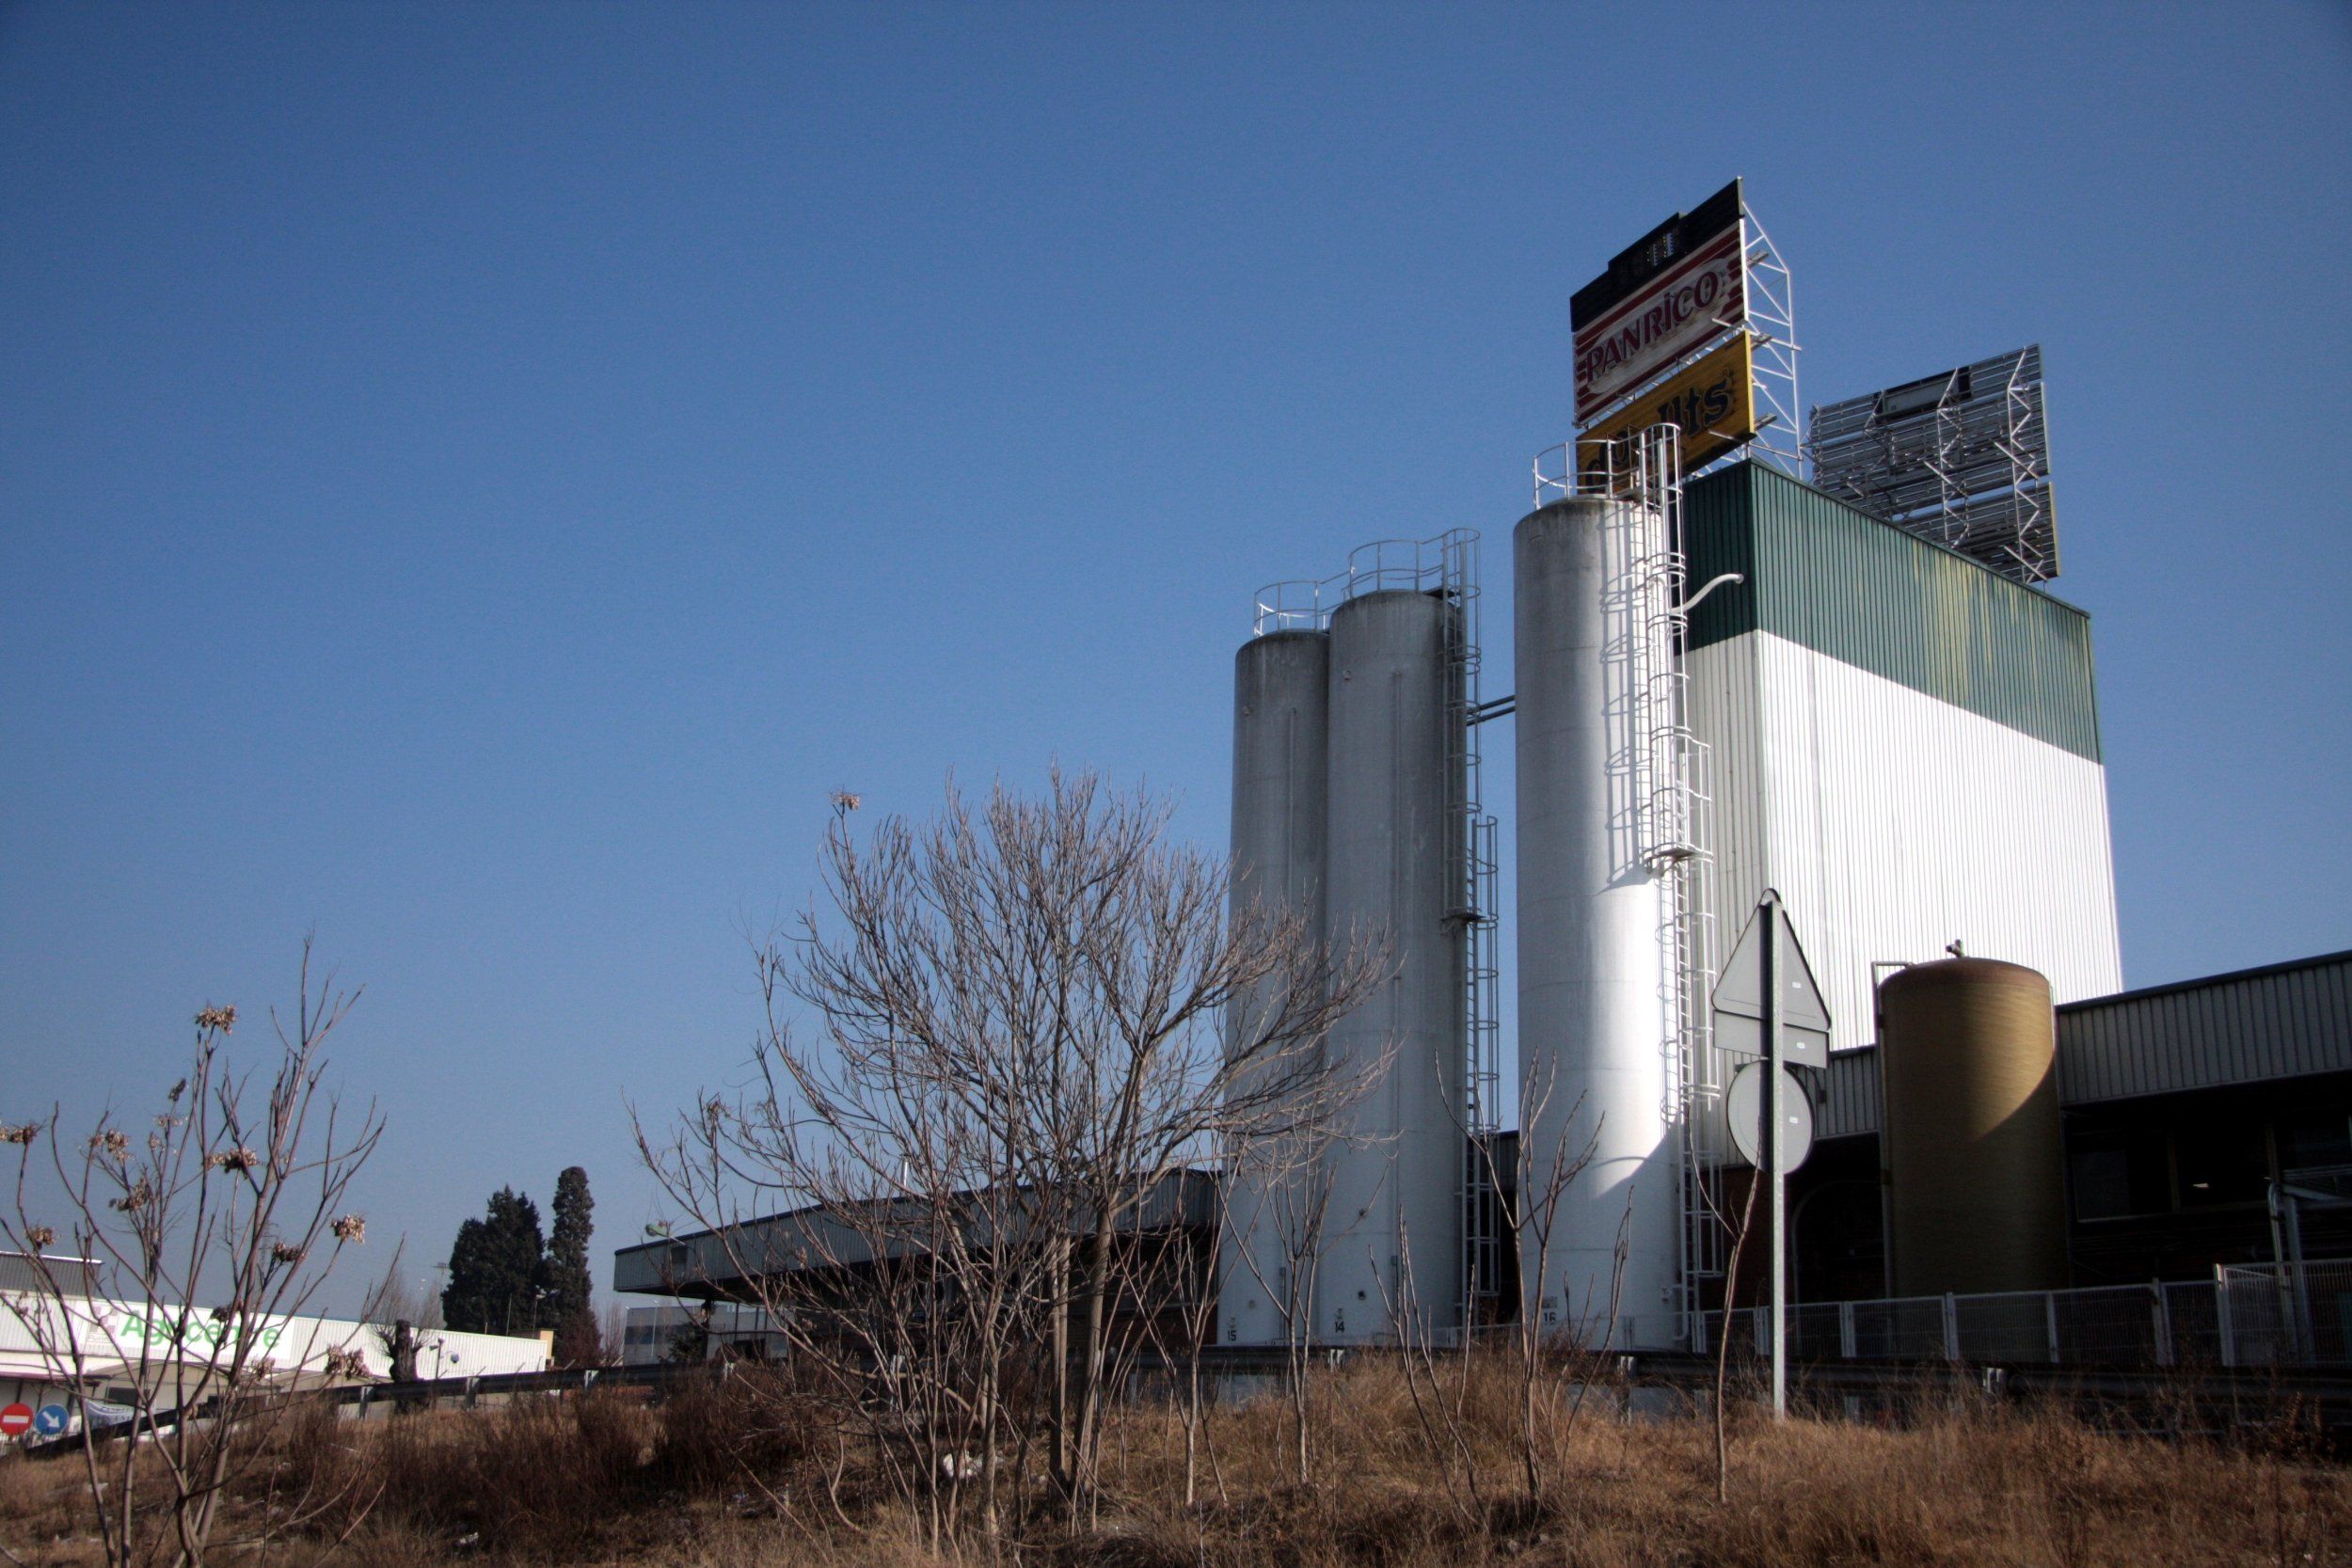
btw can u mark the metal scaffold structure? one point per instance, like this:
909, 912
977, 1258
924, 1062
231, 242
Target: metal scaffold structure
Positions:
1479, 912
1962, 458
1772, 321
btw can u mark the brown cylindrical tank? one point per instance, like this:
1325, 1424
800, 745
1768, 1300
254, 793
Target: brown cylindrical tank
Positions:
1970, 1142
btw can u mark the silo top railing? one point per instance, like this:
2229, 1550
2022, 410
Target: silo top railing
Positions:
1293, 606
1446, 564
1626, 465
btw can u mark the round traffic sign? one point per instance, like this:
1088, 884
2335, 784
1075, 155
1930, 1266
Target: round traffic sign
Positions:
49, 1420
16, 1420
1743, 1107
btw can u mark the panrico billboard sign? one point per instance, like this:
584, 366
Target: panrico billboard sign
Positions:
1712, 402
1680, 285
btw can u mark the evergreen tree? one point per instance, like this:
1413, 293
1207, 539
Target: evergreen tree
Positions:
571, 1314
691, 1342
497, 1269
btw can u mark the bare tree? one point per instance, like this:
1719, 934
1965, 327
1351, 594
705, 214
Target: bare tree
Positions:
1289, 1175
1178, 1310
1553, 1366
612, 1334
229, 1194
1722, 1348
1437, 1383
1030, 1017
404, 1318
398, 1296
1445, 1389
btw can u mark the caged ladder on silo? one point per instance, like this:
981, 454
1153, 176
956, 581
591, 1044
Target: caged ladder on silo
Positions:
1473, 832
1674, 806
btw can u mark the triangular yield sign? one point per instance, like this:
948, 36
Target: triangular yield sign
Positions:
1738, 999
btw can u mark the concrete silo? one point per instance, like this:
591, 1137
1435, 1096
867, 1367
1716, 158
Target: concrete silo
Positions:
1593, 1011
1396, 1186
1280, 698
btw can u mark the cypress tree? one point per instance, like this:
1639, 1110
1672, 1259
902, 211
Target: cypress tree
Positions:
571, 1313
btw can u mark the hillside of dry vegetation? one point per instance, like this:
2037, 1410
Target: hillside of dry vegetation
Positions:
746, 1473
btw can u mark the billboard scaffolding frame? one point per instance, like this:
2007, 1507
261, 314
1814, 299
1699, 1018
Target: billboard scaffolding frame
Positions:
1961, 458
1772, 301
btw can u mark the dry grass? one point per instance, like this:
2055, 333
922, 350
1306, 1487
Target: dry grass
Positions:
748, 1473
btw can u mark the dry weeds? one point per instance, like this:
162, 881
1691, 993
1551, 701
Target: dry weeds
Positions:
748, 1473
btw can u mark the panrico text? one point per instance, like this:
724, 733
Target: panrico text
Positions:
1683, 309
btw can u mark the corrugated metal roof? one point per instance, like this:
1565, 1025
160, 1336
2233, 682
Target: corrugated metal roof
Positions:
2251, 1027
1837, 580
705, 1261
2285, 1021
76, 1276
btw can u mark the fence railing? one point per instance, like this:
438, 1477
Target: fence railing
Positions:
2265, 1315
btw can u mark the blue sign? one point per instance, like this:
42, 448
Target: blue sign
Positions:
49, 1421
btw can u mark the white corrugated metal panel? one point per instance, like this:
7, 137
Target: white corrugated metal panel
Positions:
75, 1276
2284, 1021
1724, 711
1893, 823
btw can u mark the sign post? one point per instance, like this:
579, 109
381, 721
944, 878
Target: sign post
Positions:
1766, 1004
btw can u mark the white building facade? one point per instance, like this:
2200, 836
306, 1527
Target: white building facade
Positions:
1904, 743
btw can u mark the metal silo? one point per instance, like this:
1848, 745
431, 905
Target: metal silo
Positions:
1968, 1066
1593, 1013
1280, 698
1396, 1188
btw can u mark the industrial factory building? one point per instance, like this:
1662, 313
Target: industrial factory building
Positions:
1844, 719
1846, 715
66, 1345
1903, 742
1899, 739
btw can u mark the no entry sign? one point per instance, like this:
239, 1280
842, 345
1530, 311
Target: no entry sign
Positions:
16, 1420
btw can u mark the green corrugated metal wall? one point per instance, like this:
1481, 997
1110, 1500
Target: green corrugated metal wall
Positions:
1840, 582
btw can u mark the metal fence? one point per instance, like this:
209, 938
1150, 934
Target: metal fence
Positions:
2269, 1315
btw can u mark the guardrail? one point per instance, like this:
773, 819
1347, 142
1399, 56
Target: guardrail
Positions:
2271, 1315
2212, 1394
429, 1393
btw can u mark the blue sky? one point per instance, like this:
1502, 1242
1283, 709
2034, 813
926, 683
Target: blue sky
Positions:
473, 478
